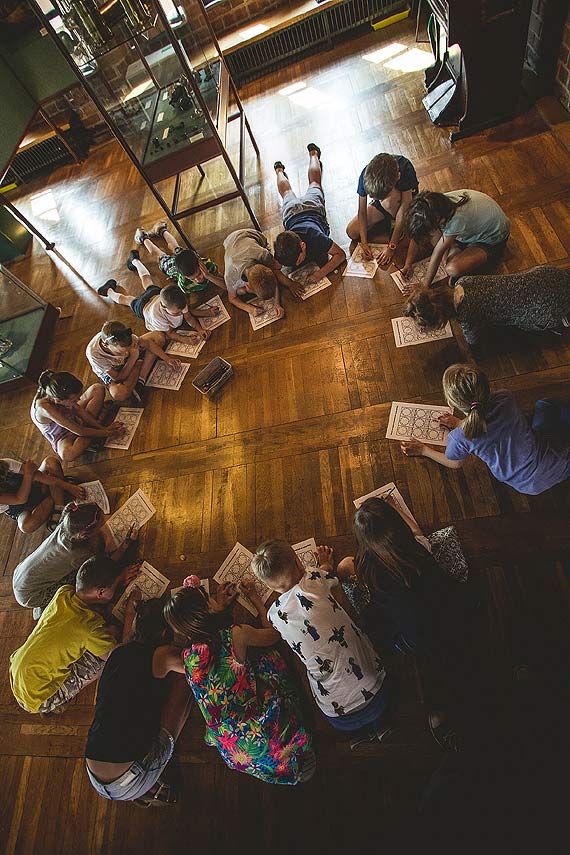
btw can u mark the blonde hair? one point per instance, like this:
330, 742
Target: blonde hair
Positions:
431, 308
261, 280
467, 389
273, 558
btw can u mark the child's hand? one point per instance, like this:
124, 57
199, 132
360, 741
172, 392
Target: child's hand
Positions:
212, 311
315, 277
29, 468
295, 288
172, 361
227, 592
325, 556
202, 272
76, 491
449, 421
413, 448
116, 428
257, 311
130, 572
386, 256
367, 253
247, 587
406, 270
134, 597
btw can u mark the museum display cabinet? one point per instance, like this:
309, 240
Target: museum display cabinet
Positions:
26, 327
156, 73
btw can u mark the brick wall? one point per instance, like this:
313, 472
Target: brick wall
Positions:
230, 15
562, 81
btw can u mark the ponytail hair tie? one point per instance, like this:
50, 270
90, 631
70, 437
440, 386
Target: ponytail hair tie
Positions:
474, 405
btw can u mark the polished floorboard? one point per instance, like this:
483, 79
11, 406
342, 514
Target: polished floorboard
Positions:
298, 433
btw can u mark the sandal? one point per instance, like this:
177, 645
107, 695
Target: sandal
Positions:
278, 165
160, 795
314, 147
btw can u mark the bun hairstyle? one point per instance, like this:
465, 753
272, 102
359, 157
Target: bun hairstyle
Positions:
188, 614
467, 389
428, 211
431, 308
59, 384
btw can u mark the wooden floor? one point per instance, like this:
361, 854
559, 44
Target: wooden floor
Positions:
297, 435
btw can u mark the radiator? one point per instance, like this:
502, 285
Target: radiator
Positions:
321, 28
34, 160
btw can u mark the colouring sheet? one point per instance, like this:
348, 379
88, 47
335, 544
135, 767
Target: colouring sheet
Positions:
417, 274
407, 332
129, 518
189, 349
417, 421
130, 416
382, 492
270, 313
150, 582
306, 552
164, 376
302, 275
359, 266
95, 492
217, 320
235, 568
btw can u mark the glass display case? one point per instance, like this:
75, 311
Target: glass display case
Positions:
155, 71
26, 327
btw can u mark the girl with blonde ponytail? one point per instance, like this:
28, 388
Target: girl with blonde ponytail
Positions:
67, 416
494, 429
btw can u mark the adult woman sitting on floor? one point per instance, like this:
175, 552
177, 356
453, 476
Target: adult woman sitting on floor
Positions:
139, 715
536, 300
58, 558
250, 703
405, 600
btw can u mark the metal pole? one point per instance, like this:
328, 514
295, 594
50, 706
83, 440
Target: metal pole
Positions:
102, 109
31, 228
185, 64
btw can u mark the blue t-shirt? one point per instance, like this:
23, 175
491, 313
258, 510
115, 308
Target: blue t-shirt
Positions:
408, 179
314, 231
513, 452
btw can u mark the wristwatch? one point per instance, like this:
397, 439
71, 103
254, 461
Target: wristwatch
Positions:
392, 246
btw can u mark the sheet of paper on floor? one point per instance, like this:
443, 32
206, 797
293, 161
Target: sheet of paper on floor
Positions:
237, 566
417, 275
417, 421
150, 582
407, 332
95, 492
130, 416
189, 349
387, 490
269, 315
217, 320
133, 514
164, 376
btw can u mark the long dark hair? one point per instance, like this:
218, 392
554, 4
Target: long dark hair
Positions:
386, 544
150, 624
188, 614
429, 211
58, 384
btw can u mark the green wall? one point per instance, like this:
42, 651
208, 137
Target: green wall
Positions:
17, 111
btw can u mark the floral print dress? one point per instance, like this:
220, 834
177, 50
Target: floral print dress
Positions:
252, 710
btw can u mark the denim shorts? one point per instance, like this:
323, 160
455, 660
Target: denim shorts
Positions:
142, 775
367, 715
313, 201
140, 302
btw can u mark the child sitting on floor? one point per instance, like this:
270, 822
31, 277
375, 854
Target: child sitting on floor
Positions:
347, 678
307, 233
33, 495
163, 310
57, 559
467, 229
247, 248
68, 647
68, 417
120, 361
391, 182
